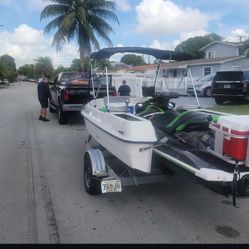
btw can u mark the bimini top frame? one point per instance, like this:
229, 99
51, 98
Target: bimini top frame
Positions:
159, 54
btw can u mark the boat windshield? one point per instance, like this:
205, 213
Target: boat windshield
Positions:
100, 80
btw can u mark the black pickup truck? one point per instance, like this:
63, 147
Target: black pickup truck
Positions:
72, 90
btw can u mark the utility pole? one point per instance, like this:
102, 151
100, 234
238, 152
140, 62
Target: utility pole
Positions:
240, 37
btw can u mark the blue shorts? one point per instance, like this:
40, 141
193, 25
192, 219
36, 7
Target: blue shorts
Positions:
44, 103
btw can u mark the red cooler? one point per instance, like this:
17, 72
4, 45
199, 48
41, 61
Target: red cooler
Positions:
234, 131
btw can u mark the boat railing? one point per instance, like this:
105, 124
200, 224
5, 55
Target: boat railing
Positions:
117, 103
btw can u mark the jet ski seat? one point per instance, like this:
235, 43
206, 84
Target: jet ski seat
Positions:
172, 121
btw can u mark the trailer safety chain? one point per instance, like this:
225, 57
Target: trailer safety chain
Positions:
236, 176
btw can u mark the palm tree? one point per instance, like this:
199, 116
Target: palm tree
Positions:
83, 20
44, 66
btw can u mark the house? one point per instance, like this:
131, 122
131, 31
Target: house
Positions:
219, 55
219, 49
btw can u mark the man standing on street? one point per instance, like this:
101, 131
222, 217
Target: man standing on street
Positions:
44, 96
124, 90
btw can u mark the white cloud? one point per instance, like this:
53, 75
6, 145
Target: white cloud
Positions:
25, 44
237, 35
159, 17
123, 5
162, 45
186, 35
172, 44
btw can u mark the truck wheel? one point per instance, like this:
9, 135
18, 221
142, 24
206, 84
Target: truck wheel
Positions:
208, 92
218, 101
92, 183
62, 116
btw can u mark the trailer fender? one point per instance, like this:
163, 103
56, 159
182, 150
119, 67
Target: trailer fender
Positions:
98, 163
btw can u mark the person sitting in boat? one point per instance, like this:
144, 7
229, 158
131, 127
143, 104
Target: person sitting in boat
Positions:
124, 90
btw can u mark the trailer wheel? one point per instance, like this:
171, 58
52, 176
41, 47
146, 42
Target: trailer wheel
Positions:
92, 183
244, 186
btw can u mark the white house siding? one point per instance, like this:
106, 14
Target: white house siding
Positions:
239, 64
217, 50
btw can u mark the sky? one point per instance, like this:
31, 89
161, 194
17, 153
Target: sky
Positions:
159, 24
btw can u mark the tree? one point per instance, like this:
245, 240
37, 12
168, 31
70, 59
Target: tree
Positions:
44, 66
60, 69
27, 70
75, 66
244, 50
8, 67
83, 20
102, 64
3, 71
132, 59
193, 45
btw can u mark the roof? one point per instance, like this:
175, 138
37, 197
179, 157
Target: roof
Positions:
160, 54
142, 67
233, 44
184, 64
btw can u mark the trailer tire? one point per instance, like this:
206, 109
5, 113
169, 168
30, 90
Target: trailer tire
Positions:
243, 187
92, 183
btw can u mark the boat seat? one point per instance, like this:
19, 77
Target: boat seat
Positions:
173, 121
117, 103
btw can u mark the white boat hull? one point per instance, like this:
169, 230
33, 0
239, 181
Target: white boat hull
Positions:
126, 136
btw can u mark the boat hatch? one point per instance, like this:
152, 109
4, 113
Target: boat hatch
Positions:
127, 117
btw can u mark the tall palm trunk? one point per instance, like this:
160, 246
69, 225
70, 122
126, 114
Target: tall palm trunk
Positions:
82, 60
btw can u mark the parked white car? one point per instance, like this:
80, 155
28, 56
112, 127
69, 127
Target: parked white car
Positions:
203, 86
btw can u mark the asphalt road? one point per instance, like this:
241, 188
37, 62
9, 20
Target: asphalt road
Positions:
43, 198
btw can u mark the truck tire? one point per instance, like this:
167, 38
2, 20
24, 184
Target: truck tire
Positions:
218, 101
92, 183
208, 92
62, 116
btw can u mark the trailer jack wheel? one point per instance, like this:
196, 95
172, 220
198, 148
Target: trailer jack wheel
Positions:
92, 183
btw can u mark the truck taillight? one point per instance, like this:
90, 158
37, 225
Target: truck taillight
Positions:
114, 93
66, 95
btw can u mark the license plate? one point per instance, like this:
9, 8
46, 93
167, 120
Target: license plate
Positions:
110, 186
227, 86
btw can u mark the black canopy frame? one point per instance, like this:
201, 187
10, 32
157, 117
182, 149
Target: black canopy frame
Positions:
159, 54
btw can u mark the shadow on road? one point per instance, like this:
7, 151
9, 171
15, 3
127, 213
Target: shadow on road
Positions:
75, 118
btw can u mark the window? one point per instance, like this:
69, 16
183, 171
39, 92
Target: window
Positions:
207, 70
174, 74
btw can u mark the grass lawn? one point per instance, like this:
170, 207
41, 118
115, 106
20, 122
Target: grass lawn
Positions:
240, 109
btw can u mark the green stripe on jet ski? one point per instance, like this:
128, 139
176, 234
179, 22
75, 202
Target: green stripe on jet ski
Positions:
177, 118
176, 161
